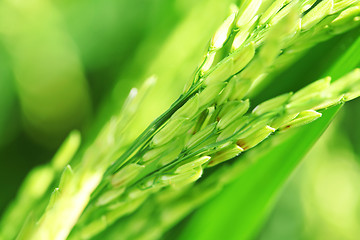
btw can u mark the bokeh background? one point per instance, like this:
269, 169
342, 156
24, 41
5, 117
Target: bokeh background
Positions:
70, 64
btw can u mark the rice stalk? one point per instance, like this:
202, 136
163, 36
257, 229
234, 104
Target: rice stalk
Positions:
210, 123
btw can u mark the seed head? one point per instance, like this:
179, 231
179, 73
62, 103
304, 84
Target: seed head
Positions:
346, 16
66, 177
311, 89
192, 164
272, 105
109, 196
222, 33
272, 10
242, 86
220, 73
255, 138
224, 155
126, 174
238, 110
302, 118
316, 14
53, 198
189, 109
210, 93
182, 178
200, 136
174, 128
247, 11
242, 57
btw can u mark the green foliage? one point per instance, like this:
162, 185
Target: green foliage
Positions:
133, 172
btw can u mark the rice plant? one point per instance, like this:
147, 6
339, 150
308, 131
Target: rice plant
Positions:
117, 186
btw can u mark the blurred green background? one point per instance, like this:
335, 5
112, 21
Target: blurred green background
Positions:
70, 64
